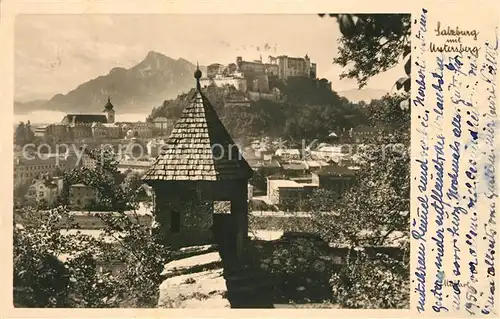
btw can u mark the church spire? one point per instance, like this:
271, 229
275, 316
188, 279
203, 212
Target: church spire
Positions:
108, 106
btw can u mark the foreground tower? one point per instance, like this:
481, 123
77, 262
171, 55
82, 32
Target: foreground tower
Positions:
200, 165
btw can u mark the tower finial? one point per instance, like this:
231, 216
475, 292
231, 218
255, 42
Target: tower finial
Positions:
197, 76
109, 98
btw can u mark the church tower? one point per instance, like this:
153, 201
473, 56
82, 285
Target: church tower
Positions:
109, 111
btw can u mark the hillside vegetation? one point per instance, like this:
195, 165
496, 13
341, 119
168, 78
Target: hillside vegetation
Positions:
311, 110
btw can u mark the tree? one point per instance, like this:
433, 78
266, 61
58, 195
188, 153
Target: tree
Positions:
379, 200
39, 241
23, 134
30, 135
312, 110
374, 43
20, 135
371, 213
377, 283
20, 191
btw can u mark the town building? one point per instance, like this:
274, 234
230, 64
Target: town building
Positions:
46, 190
363, 133
154, 147
314, 165
105, 130
134, 166
86, 219
265, 154
87, 161
267, 168
162, 123
136, 129
128, 150
26, 169
250, 192
334, 152
287, 154
81, 196
55, 132
287, 192
93, 126
132, 149
334, 177
295, 169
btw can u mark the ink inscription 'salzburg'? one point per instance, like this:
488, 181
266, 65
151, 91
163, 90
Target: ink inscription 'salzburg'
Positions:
456, 175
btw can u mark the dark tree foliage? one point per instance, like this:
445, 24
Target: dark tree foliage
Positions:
23, 134
120, 268
374, 43
374, 212
105, 178
379, 201
312, 110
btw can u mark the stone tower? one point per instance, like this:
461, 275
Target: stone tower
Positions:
200, 165
307, 67
109, 111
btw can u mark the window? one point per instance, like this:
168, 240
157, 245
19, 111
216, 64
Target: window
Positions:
175, 221
222, 207
40, 194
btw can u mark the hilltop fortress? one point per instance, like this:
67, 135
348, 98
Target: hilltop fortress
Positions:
257, 76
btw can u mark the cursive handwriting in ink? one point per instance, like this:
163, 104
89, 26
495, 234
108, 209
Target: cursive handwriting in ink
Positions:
419, 225
453, 48
455, 32
420, 273
420, 62
488, 75
438, 88
439, 207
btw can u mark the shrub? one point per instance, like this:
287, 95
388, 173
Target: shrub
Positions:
121, 267
379, 283
300, 270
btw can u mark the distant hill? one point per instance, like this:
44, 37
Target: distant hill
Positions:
23, 107
133, 90
311, 111
355, 95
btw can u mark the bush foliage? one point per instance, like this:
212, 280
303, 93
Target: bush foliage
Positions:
119, 268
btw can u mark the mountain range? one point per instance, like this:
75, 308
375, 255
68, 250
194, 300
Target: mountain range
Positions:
355, 95
133, 90
140, 88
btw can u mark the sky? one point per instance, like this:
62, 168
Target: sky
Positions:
56, 53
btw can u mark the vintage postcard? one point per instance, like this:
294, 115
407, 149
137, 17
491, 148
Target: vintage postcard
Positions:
285, 158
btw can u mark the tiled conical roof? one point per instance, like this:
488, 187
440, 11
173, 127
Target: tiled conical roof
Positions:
199, 148
108, 106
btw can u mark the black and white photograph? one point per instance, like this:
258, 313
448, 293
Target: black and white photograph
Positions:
212, 161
